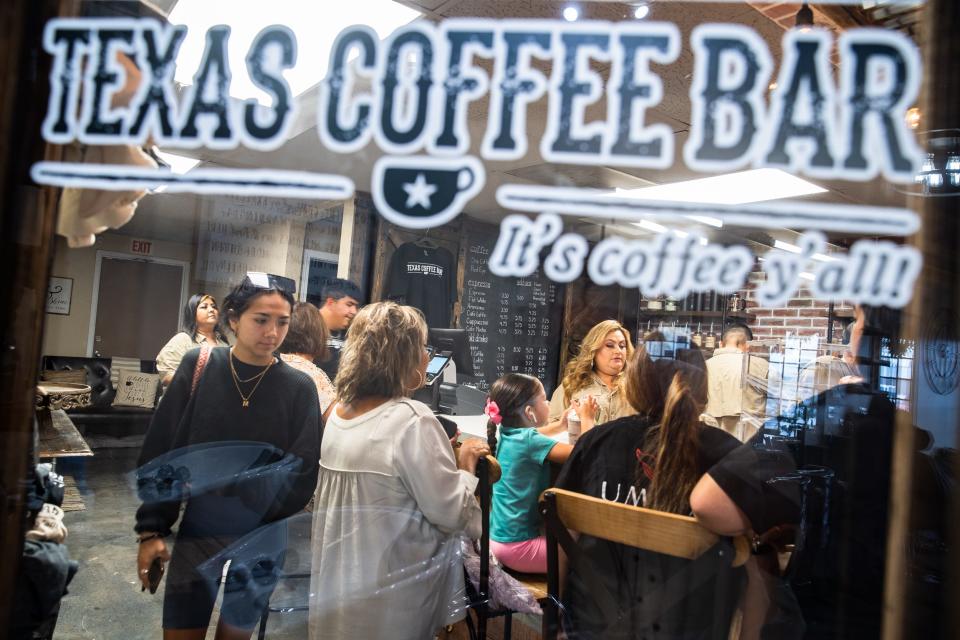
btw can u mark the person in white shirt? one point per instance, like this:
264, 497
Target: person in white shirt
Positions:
392, 501
729, 397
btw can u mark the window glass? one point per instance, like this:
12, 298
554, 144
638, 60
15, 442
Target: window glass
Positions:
688, 256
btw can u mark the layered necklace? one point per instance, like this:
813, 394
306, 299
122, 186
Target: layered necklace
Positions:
237, 381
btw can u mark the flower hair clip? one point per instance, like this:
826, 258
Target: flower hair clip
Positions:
493, 412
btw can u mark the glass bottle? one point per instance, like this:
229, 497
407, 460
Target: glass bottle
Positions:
697, 337
710, 339
735, 303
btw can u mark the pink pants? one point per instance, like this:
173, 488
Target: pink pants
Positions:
528, 556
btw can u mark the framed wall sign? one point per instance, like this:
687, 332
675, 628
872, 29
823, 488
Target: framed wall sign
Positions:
59, 292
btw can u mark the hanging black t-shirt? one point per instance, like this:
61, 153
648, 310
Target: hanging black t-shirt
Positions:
658, 596
425, 278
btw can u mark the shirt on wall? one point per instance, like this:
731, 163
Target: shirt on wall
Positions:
425, 278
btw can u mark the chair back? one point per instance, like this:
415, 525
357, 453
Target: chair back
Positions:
657, 531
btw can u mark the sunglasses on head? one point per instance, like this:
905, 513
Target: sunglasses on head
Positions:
260, 280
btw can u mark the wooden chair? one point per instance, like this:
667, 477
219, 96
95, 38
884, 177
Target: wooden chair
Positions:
488, 472
666, 533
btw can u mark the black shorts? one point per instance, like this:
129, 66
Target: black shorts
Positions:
195, 572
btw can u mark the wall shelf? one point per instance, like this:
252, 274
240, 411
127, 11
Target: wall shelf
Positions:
710, 315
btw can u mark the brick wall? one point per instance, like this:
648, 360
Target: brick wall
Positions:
803, 315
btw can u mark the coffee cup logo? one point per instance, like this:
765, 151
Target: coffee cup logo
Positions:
420, 192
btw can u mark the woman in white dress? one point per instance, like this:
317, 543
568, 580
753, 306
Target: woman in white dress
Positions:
392, 499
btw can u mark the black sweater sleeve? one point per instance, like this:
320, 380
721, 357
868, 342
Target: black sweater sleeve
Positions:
157, 487
304, 451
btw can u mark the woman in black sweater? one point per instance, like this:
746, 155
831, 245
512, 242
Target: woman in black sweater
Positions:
236, 438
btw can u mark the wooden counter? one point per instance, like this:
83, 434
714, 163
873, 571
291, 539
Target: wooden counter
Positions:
59, 437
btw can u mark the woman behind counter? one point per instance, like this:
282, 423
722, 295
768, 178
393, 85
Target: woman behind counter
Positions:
201, 325
596, 371
392, 500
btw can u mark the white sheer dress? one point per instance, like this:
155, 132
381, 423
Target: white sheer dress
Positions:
391, 507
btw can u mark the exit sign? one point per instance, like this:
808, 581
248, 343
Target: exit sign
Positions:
143, 247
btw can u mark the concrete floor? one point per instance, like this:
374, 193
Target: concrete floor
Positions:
105, 601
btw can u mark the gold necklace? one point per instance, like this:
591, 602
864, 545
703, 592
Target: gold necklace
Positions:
236, 381
237, 376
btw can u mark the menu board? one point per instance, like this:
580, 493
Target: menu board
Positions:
514, 324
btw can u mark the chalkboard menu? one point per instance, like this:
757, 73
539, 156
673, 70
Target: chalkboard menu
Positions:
514, 324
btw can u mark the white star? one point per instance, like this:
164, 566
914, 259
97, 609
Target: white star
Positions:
419, 192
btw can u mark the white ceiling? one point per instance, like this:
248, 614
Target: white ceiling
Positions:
170, 215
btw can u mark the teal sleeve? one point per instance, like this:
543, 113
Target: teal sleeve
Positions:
539, 445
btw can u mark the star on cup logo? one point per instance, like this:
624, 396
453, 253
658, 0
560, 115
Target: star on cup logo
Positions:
419, 192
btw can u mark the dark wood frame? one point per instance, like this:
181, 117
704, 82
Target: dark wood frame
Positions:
27, 221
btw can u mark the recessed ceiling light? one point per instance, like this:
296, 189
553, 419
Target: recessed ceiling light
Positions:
786, 246
708, 220
651, 226
641, 11
570, 14
756, 185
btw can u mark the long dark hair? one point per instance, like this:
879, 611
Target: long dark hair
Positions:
671, 394
512, 393
189, 321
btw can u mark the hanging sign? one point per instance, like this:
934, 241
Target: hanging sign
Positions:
422, 80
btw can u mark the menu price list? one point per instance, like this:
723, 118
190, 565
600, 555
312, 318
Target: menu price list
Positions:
514, 323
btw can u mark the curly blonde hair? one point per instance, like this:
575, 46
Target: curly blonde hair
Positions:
579, 371
384, 346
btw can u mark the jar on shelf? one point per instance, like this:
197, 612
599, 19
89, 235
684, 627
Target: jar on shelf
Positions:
735, 303
670, 304
654, 303
710, 339
696, 337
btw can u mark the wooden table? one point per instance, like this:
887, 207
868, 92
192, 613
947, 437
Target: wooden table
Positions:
60, 439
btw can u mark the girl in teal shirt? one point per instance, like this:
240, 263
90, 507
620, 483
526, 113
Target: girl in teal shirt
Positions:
519, 406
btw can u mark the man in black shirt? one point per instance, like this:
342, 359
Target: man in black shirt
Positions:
341, 301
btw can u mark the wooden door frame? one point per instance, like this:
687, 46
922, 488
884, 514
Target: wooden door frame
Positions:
117, 255
27, 222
